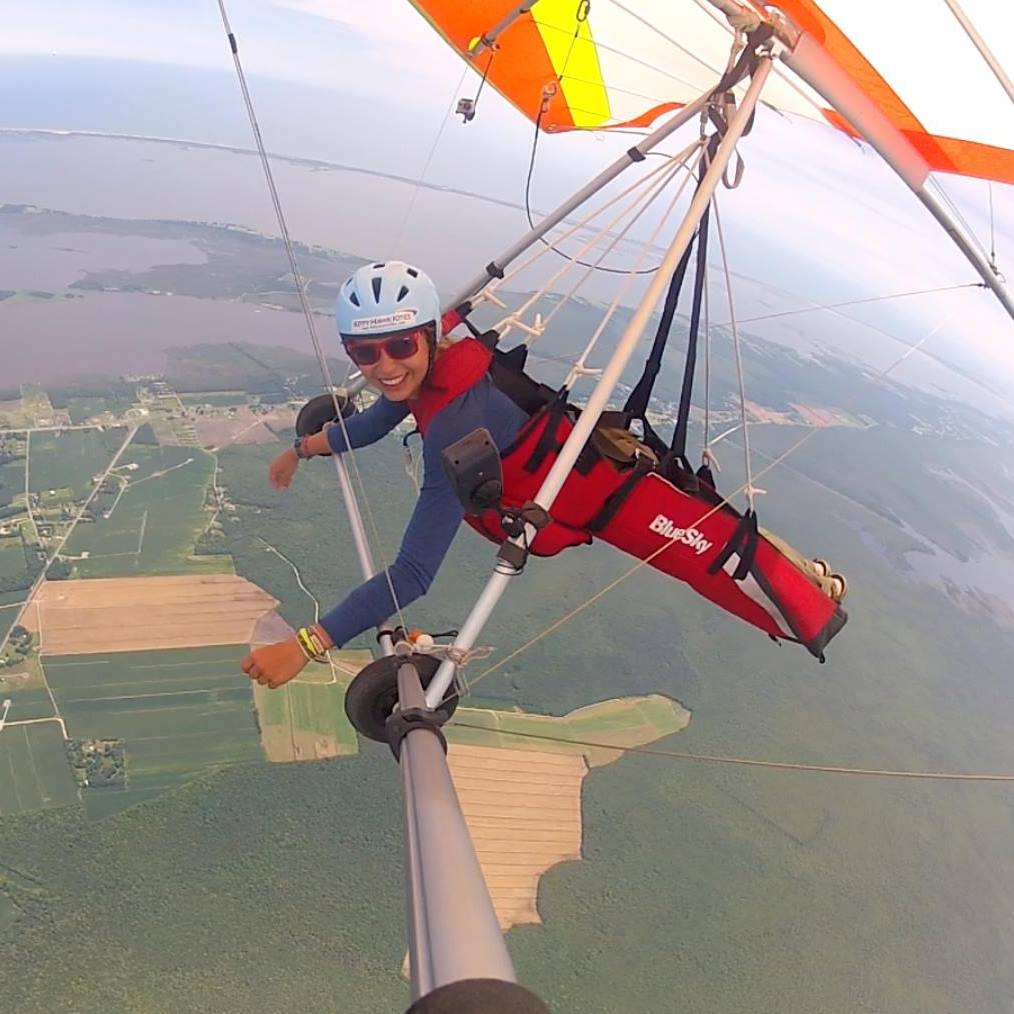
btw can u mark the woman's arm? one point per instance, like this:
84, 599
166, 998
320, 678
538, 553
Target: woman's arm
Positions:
363, 428
427, 538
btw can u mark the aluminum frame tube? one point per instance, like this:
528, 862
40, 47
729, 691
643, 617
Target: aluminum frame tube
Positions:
600, 395
812, 63
454, 932
357, 382
359, 537
685, 115
980, 44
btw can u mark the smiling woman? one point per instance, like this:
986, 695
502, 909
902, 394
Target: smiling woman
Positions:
389, 319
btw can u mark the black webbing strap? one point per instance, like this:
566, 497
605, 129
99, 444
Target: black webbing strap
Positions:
642, 467
547, 443
637, 404
679, 437
742, 541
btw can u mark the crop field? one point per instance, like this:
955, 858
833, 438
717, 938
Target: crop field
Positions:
216, 399
8, 613
178, 712
12, 480
69, 460
13, 415
305, 719
24, 688
107, 615
34, 773
629, 721
82, 409
13, 569
523, 809
242, 428
153, 526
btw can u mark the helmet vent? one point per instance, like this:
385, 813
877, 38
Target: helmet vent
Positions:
353, 298
376, 283
412, 272
402, 293
377, 267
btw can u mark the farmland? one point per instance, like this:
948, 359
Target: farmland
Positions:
82, 409
33, 768
305, 719
12, 471
145, 613
14, 575
69, 459
152, 525
177, 711
8, 613
630, 721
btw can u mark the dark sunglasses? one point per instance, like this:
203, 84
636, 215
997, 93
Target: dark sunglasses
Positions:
400, 346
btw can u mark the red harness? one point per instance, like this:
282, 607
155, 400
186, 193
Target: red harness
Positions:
457, 370
678, 529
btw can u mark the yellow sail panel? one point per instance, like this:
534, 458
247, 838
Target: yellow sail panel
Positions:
571, 49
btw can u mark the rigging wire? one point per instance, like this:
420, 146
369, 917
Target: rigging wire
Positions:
859, 302
531, 219
523, 264
751, 490
300, 288
992, 227
726, 500
703, 758
421, 179
666, 174
707, 458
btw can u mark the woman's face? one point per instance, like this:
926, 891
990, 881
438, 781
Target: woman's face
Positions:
400, 366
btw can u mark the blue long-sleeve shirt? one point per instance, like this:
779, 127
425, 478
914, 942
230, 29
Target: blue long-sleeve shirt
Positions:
438, 512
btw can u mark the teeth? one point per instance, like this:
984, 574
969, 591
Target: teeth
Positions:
393, 383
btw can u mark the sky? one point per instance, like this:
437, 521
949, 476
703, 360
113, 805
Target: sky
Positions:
372, 85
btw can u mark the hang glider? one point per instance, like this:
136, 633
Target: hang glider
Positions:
916, 79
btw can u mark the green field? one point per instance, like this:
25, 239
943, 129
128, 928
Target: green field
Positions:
629, 721
8, 613
155, 524
14, 574
82, 409
179, 712
217, 399
12, 480
34, 773
27, 704
70, 459
305, 719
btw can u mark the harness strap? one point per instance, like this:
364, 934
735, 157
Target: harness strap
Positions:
679, 438
742, 541
547, 443
642, 467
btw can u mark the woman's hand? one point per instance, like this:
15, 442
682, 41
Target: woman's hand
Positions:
283, 468
275, 664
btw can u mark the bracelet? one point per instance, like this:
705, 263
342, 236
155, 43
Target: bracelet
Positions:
312, 645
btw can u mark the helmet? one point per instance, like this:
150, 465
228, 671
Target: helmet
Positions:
379, 299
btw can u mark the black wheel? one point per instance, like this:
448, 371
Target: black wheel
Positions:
320, 410
371, 697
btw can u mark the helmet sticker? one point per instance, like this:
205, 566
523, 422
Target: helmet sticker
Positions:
397, 320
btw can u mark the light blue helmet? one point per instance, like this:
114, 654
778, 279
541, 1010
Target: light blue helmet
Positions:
391, 296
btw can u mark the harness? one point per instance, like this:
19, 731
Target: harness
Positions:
638, 495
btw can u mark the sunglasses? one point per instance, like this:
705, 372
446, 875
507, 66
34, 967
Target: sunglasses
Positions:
399, 346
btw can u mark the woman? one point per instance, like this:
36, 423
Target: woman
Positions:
389, 321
